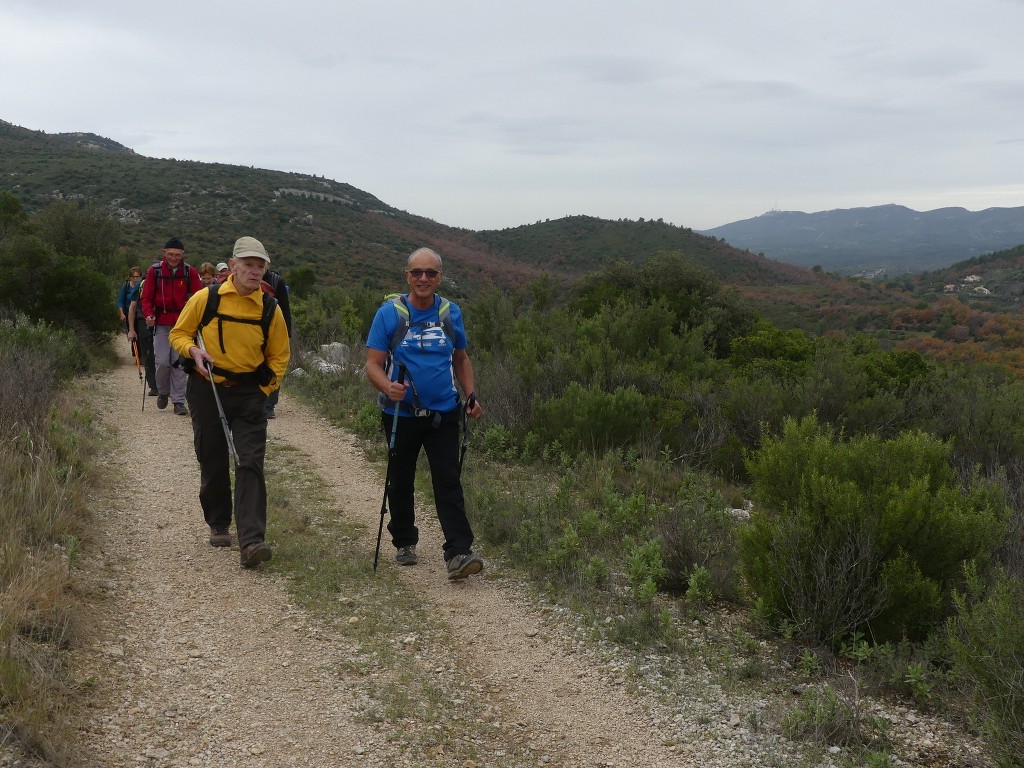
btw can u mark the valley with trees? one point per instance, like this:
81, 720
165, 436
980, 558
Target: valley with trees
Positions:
824, 470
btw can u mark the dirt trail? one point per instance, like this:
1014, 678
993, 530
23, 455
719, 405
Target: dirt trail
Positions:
201, 662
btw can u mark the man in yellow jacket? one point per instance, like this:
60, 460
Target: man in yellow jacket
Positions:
248, 357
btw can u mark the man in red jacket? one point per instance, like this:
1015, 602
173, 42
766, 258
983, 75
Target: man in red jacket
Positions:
168, 286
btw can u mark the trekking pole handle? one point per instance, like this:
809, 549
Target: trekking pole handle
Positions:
202, 345
394, 422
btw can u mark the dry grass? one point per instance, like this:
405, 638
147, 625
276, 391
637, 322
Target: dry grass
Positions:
43, 514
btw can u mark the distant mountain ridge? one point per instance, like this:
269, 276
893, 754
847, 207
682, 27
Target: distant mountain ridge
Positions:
890, 238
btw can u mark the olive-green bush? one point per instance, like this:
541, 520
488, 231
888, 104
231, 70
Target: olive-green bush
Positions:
987, 643
48, 286
862, 535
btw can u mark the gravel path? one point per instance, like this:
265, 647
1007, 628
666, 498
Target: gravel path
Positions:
200, 662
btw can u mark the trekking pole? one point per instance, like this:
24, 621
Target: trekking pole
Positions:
465, 430
138, 367
220, 408
387, 473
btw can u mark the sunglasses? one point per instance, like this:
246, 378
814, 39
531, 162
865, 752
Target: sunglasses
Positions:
418, 273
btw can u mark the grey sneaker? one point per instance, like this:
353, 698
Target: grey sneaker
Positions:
406, 555
161, 402
220, 537
461, 566
255, 553
180, 409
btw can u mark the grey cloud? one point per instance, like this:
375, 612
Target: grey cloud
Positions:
616, 70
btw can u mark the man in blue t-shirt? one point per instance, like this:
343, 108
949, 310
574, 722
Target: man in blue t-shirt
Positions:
433, 353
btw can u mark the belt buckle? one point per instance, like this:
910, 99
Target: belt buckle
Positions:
422, 412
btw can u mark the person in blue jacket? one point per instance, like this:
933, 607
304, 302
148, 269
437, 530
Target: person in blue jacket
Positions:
124, 296
433, 353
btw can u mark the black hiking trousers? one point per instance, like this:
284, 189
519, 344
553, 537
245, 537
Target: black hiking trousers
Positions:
441, 444
244, 407
146, 351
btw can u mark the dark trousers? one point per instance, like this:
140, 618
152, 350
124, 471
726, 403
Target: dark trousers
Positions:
441, 443
146, 354
243, 405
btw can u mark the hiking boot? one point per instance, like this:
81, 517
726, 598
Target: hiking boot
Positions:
153, 392
255, 553
180, 409
220, 537
161, 402
406, 555
461, 566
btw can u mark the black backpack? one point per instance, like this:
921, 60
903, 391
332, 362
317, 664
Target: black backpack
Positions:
213, 303
263, 373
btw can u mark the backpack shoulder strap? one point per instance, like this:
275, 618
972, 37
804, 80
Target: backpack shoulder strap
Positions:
444, 315
212, 302
269, 305
397, 300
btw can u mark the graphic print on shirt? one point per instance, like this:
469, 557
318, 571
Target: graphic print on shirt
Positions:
426, 336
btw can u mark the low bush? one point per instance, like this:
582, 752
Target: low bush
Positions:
862, 535
697, 537
987, 642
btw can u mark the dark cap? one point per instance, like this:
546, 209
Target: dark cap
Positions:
174, 242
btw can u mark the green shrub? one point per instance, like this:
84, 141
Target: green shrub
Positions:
987, 642
697, 532
645, 568
591, 420
331, 315
861, 535
63, 290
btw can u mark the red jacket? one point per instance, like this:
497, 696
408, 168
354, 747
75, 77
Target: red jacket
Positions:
164, 294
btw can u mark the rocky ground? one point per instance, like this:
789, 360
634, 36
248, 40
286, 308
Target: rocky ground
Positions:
199, 662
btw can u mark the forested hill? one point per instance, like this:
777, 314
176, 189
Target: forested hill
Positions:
346, 234
578, 244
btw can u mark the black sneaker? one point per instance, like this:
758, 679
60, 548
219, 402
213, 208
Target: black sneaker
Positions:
220, 537
153, 392
461, 566
180, 409
161, 402
406, 555
255, 553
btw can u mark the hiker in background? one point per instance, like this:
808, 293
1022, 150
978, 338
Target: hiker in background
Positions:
223, 270
142, 335
433, 351
248, 351
207, 274
124, 296
274, 284
169, 284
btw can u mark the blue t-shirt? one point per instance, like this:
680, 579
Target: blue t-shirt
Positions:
426, 352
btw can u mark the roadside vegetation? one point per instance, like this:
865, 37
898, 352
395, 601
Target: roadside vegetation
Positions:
45, 442
56, 314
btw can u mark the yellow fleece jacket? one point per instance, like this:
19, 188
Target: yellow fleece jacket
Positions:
242, 349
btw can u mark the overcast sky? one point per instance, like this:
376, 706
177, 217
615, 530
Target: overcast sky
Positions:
494, 114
